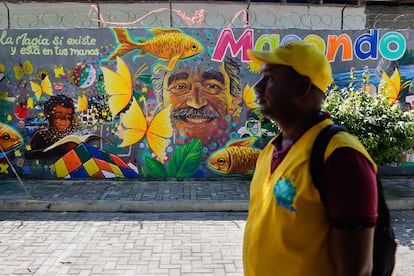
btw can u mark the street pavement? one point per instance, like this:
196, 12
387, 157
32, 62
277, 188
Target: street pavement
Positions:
185, 243
142, 227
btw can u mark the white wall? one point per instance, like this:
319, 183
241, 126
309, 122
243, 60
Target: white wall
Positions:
196, 14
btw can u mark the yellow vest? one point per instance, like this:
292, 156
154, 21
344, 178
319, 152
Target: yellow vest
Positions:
287, 227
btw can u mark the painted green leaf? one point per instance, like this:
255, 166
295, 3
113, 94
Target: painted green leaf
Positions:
186, 160
145, 78
113, 147
155, 167
144, 171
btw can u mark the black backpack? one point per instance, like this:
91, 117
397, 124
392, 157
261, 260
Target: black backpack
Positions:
384, 238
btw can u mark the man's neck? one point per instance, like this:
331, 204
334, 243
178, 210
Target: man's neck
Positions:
292, 130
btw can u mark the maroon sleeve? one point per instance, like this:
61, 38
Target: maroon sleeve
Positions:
351, 190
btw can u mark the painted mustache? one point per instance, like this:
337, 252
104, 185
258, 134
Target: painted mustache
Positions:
202, 113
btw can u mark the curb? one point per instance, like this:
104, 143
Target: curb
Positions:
123, 206
149, 206
401, 204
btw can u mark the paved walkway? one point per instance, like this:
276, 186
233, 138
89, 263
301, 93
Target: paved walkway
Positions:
154, 196
142, 244
136, 227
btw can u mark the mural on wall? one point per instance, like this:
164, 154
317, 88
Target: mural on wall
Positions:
161, 102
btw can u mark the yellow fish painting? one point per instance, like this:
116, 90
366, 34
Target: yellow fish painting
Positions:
168, 44
156, 129
10, 139
238, 157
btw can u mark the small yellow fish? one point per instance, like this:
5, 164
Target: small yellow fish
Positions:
168, 44
10, 139
238, 157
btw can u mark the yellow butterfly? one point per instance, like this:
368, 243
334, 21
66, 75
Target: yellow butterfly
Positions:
2, 70
391, 86
58, 71
21, 69
118, 86
249, 97
30, 103
82, 103
44, 87
156, 129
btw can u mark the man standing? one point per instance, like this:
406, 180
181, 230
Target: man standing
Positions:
289, 231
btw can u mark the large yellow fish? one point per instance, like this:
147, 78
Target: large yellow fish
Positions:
10, 139
168, 44
238, 157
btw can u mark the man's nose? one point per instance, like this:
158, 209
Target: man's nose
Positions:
259, 86
196, 98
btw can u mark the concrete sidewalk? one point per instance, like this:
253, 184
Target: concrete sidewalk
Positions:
138, 195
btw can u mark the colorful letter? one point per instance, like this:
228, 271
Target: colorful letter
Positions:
271, 40
372, 41
392, 38
316, 40
335, 42
227, 39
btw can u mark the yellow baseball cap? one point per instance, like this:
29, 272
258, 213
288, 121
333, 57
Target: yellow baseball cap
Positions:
304, 58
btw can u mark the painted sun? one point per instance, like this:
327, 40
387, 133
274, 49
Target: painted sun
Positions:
254, 67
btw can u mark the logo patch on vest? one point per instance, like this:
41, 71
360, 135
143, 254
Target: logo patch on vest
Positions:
285, 193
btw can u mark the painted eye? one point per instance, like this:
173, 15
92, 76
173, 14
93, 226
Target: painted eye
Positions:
6, 136
194, 47
221, 161
182, 87
212, 86
179, 88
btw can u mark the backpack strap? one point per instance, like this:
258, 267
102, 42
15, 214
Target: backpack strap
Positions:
384, 237
317, 162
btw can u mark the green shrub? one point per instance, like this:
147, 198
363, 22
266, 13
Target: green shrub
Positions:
383, 129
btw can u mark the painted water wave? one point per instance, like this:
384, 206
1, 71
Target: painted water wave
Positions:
343, 79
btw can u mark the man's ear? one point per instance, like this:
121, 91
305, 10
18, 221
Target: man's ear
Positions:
304, 86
